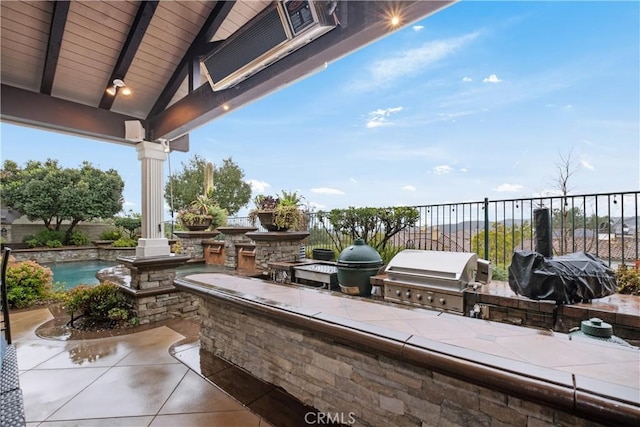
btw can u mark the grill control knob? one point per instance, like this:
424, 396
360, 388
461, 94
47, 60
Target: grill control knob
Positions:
398, 293
408, 293
430, 298
442, 301
419, 297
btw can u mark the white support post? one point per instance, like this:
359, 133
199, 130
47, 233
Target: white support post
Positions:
153, 243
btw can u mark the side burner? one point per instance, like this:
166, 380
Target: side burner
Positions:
321, 273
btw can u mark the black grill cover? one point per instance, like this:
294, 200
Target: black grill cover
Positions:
565, 279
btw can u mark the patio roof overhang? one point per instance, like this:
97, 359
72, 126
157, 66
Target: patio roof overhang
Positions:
58, 59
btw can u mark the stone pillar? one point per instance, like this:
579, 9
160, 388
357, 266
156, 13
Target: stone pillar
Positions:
233, 235
191, 242
153, 243
276, 246
148, 285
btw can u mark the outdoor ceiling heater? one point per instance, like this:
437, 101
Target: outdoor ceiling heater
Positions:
434, 279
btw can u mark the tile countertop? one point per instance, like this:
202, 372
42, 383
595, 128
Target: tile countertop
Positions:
597, 366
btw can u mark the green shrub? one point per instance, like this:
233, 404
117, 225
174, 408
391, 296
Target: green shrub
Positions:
101, 304
79, 238
500, 272
628, 280
28, 282
31, 242
43, 237
110, 235
125, 242
53, 244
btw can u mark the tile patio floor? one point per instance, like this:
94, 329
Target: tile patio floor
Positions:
128, 380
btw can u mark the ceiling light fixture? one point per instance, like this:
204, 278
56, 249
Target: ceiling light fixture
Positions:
118, 84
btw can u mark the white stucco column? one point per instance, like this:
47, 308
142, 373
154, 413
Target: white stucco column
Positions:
153, 243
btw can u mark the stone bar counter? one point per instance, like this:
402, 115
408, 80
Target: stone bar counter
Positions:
385, 364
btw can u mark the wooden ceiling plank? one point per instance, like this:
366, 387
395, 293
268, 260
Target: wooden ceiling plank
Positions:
136, 33
13, 29
25, 12
212, 24
56, 31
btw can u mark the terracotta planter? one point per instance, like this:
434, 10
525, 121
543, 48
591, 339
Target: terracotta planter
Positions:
266, 219
198, 226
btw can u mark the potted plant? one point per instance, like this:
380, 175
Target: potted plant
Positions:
202, 213
280, 213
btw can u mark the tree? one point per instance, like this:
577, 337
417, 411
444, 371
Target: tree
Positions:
376, 226
502, 241
566, 219
230, 190
52, 194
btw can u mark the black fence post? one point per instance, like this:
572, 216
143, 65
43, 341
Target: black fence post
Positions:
3, 294
486, 228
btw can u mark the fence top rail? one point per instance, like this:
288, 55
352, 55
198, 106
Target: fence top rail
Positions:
515, 200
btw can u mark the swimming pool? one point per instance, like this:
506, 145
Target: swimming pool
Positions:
75, 273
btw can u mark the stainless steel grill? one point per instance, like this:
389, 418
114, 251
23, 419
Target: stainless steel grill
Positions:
321, 273
435, 279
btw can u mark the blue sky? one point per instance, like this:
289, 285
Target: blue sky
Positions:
479, 100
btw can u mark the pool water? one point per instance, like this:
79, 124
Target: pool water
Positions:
75, 273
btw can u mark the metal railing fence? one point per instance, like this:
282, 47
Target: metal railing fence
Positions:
604, 224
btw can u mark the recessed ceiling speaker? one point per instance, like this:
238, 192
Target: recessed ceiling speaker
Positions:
133, 131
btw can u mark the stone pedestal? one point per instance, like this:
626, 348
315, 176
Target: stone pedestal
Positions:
232, 236
150, 290
276, 246
192, 243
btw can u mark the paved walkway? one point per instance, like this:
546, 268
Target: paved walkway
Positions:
129, 380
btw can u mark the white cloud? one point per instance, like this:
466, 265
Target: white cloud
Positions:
128, 203
409, 188
464, 170
324, 190
508, 188
353, 180
467, 79
491, 79
258, 186
380, 117
408, 63
418, 27
548, 193
442, 169
587, 165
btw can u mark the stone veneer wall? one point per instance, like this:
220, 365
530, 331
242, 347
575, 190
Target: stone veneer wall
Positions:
152, 294
81, 253
230, 250
173, 305
377, 390
539, 314
192, 246
276, 251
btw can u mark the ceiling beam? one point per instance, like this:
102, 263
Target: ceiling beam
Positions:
366, 23
127, 54
56, 31
23, 107
212, 24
